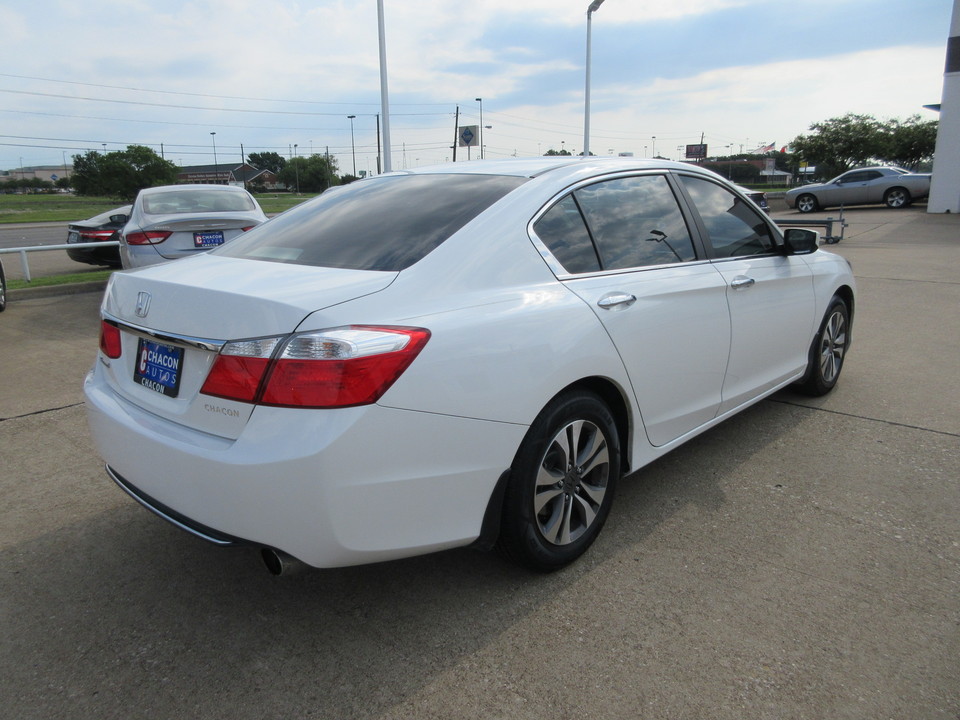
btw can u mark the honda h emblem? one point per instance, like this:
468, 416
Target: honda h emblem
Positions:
143, 304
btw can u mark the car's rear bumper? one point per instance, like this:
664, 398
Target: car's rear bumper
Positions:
329, 487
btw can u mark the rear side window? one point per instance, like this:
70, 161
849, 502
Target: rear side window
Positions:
387, 223
630, 222
563, 231
735, 227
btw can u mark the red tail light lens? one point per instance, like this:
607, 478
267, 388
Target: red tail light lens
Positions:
342, 367
110, 340
96, 235
239, 369
248, 227
151, 237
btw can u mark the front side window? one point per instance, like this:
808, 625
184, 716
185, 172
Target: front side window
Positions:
630, 222
734, 227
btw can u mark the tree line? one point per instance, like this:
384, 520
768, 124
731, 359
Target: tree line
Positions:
839, 144
124, 173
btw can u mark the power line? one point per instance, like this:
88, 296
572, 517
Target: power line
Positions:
206, 95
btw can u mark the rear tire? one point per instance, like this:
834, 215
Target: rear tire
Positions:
562, 483
3, 289
897, 198
807, 203
828, 351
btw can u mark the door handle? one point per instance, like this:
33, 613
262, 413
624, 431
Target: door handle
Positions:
616, 301
742, 282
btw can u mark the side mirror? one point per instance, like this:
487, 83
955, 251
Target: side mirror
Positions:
119, 219
799, 241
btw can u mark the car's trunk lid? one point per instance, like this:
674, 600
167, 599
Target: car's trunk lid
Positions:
190, 307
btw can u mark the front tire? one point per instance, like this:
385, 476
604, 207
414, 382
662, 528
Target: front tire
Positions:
807, 203
3, 289
828, 351
562, 483
897, 198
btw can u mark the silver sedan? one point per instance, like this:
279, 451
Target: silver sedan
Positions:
892, 186
176, 221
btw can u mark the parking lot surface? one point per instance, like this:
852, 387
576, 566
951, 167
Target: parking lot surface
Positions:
802, 560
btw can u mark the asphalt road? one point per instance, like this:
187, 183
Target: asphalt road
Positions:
800, 561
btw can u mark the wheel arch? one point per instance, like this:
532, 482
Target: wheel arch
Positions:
614, 398
908, 196
845, 293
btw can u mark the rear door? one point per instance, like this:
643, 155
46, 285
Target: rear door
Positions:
623, 246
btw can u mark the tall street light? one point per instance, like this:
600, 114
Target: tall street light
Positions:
594, 6
480, 100
296, 167
216, 165
384, 100
353, 147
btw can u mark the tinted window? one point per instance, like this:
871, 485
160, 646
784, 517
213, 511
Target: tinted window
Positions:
562, 230
387, 223
191, 201
636, 222
735, 228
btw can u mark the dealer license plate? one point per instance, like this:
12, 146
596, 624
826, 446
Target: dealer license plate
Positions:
158, 367
208, 239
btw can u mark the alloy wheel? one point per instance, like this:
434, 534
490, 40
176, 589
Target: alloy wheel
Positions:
833, 344
571, 482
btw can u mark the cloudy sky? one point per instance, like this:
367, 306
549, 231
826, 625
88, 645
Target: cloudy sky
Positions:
268, 75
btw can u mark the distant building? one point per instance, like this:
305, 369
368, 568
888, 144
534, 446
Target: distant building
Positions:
226, 174
50, 173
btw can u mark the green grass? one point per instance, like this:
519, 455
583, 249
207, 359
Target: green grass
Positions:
50, 280
66, 208
51, 208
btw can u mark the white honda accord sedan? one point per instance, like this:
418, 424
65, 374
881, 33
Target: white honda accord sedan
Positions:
472, 353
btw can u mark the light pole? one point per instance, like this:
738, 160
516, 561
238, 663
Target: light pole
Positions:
296, 167
480, 139
594, 6
654, 138
353, 147
384, 96
216, 165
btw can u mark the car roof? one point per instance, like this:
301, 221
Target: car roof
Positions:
535, 167
189, 186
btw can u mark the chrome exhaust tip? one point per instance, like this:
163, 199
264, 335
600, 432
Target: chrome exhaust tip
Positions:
278, 563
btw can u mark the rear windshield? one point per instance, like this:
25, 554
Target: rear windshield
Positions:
191, 201
386, 223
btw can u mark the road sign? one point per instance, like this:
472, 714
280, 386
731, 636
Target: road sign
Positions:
469, 135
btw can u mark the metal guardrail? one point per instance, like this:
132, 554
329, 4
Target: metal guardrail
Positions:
22, 251
827, 224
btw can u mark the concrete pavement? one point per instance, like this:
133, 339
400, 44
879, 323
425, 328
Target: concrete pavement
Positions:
800, 561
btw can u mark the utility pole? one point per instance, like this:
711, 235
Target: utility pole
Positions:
456, 132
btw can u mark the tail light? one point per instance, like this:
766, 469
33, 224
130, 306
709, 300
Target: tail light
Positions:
150, 237
342, 367
96, 235
248, 227
110, 340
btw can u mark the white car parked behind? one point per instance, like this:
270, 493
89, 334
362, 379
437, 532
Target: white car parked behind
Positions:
176, 221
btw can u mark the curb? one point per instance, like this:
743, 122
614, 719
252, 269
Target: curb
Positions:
56, 290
